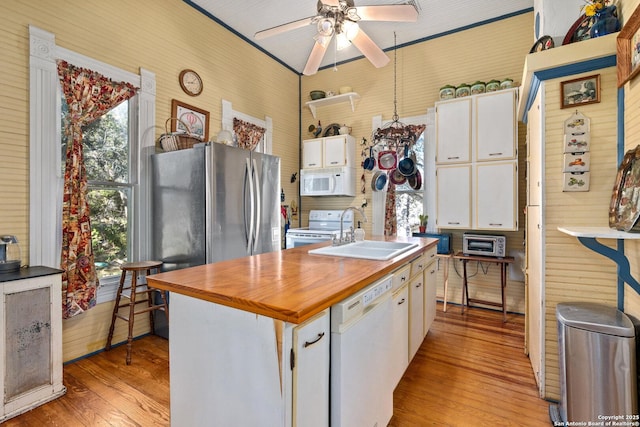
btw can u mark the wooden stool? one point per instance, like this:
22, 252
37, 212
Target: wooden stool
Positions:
131, 293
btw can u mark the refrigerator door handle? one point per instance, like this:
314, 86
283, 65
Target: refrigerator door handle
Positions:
258, 206
251, 199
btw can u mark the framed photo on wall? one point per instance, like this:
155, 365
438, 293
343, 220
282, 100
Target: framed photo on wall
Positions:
628, 49
195, 118
581, 91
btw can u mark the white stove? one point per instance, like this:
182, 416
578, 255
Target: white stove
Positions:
323, 225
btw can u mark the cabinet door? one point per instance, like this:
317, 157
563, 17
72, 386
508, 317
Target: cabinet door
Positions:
312, 153
453, 193
496, 126
311, 372
335, 151
497, 196
430, 286
416, 314
453, 131
400, 343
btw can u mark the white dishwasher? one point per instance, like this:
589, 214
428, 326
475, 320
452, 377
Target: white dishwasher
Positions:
361, 337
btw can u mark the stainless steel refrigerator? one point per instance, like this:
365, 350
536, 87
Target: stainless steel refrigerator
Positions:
213, 203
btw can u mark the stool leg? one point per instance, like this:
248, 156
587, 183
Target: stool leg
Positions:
163, 295
150, 302
115, 311
132, 307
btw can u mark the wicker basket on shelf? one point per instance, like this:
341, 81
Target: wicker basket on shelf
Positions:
172, 141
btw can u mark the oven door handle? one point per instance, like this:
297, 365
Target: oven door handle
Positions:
303, 238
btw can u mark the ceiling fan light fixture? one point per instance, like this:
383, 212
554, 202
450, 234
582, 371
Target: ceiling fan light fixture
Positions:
342, 42
326, 27
350, 29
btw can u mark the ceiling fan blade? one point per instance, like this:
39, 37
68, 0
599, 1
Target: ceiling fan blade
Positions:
391, 12
369, 49
283, 28
313, 63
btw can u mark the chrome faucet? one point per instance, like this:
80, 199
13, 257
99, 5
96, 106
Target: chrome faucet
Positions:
350, 238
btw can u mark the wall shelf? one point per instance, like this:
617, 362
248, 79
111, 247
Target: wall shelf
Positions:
350, 97
588, 235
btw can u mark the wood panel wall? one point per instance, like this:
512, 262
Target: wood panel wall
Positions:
573, 272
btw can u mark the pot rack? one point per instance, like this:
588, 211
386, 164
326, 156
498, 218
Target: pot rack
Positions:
395, 133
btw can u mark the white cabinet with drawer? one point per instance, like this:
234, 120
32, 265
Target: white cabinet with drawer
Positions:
329, 152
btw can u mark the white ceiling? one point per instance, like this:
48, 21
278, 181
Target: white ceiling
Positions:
247, 17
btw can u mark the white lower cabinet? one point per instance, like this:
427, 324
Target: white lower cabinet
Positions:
400, 343
416, 314
31, 339
310, 374
430, 285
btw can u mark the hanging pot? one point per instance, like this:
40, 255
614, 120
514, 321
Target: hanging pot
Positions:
407, 166
379, 181
396, 177
415, 181
369, 162
387, 160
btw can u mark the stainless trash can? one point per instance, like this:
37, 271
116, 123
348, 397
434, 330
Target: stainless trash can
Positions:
597, 361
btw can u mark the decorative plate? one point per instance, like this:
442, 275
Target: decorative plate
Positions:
332, 130
543, 43
579, 30
624, 208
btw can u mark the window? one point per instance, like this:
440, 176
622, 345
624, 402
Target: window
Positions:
106, 151
410, 202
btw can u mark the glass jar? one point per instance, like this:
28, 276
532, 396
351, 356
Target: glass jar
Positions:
492, 86
447, 92
506, 84
477, 88
463, 90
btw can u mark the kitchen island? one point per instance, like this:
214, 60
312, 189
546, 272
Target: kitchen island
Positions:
247, 347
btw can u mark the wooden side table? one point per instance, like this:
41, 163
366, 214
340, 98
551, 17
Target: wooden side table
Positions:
502, 263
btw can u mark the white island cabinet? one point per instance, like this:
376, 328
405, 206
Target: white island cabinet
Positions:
230, 367
31, 339
259, 340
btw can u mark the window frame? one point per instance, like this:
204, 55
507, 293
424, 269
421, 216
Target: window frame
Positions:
46, 179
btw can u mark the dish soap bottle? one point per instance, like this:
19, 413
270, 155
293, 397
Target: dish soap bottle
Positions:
358, 233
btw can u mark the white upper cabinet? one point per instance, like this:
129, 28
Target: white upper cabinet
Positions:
453, 129
496, 126
312, 151
453, 192
329, 152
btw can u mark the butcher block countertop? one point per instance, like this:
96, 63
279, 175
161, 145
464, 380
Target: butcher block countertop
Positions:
289, 285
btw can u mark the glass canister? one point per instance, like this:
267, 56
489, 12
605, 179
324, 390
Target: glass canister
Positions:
9, 254
463, 90
447, 92
477, 88
506, 84
492, 86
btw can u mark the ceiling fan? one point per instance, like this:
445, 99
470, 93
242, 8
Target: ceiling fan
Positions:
340, 18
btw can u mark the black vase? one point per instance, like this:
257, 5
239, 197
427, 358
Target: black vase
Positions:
605, 22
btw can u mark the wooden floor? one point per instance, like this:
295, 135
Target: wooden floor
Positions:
470, 371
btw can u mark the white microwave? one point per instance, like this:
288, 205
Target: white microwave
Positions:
328, 182
484, 244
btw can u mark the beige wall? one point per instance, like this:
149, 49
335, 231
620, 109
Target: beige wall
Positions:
422, 69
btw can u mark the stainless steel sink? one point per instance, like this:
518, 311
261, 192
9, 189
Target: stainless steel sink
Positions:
366, 249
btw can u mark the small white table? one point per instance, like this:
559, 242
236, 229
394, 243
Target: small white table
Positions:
588, 235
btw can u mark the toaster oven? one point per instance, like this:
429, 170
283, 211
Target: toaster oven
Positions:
484, 244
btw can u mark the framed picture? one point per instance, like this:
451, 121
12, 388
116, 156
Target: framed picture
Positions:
582, 91
628, 49
195, 118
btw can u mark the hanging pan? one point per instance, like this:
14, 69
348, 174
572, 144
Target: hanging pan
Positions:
379, 181
396, 177
370, 161
415, 181
387, 160
407, 166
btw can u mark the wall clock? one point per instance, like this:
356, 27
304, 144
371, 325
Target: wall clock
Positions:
190, 82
